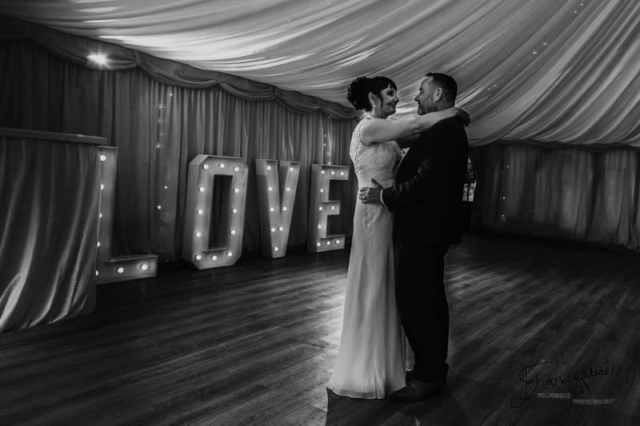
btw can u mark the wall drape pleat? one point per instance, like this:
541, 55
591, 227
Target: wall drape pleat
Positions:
49, 203
578, 194
158, 129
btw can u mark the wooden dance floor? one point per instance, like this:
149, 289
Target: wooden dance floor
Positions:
542, 334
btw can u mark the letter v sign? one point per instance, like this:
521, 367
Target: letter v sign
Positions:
277, 184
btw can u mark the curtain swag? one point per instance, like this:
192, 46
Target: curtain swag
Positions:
76, 49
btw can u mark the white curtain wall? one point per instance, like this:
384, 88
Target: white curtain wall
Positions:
589, 195
49, 204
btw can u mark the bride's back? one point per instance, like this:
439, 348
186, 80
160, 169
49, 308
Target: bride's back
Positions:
378, 160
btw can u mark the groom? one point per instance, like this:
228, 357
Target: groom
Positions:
427, 202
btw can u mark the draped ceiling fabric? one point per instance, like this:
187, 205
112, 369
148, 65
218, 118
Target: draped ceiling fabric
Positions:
537, 70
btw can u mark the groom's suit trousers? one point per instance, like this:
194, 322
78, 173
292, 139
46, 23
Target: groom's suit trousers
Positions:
423, 309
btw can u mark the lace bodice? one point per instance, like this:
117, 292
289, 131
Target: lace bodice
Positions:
378, 160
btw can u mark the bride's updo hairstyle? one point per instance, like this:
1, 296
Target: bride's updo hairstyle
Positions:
359, 89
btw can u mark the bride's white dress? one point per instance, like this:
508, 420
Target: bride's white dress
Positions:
371, 356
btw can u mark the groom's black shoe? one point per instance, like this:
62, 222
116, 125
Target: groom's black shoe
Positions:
417, 390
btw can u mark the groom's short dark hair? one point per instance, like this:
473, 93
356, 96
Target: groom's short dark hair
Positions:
448, 84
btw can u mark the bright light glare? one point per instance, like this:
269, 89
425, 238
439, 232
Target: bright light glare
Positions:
98, 58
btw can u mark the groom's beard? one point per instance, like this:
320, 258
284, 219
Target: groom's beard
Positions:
422, 110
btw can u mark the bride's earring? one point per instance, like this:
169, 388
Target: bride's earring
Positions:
375, 104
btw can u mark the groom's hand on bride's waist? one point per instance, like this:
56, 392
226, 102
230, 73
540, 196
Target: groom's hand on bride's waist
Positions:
371, 195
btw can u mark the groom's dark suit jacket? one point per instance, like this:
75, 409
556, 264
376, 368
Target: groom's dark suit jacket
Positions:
427, 195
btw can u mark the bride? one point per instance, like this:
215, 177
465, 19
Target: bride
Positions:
372, 353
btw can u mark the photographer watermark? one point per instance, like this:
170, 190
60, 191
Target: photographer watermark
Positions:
547, 380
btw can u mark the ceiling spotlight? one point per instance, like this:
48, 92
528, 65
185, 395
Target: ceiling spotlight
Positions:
98, 58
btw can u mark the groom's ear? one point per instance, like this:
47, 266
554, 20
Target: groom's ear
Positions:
437, 95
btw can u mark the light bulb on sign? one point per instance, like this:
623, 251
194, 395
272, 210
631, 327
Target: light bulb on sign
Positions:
234, 211
205, 166
221, 165
103, 158
281, 229
236, 190
214, 257
144, 267
120, 270
200, 211
233, 232
236, 169
202, 189
270, 188
198, 234
229, 254
198, 257
275, 249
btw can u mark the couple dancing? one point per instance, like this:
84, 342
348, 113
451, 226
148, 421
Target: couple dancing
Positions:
408, 216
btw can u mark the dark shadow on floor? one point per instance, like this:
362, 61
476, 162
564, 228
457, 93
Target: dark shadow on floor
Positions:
442, 409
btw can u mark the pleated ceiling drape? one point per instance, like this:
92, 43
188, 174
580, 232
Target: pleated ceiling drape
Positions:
544, 70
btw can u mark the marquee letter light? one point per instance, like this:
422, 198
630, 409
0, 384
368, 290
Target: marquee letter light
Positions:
121, 268
195, 244
320, 207
277, 186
